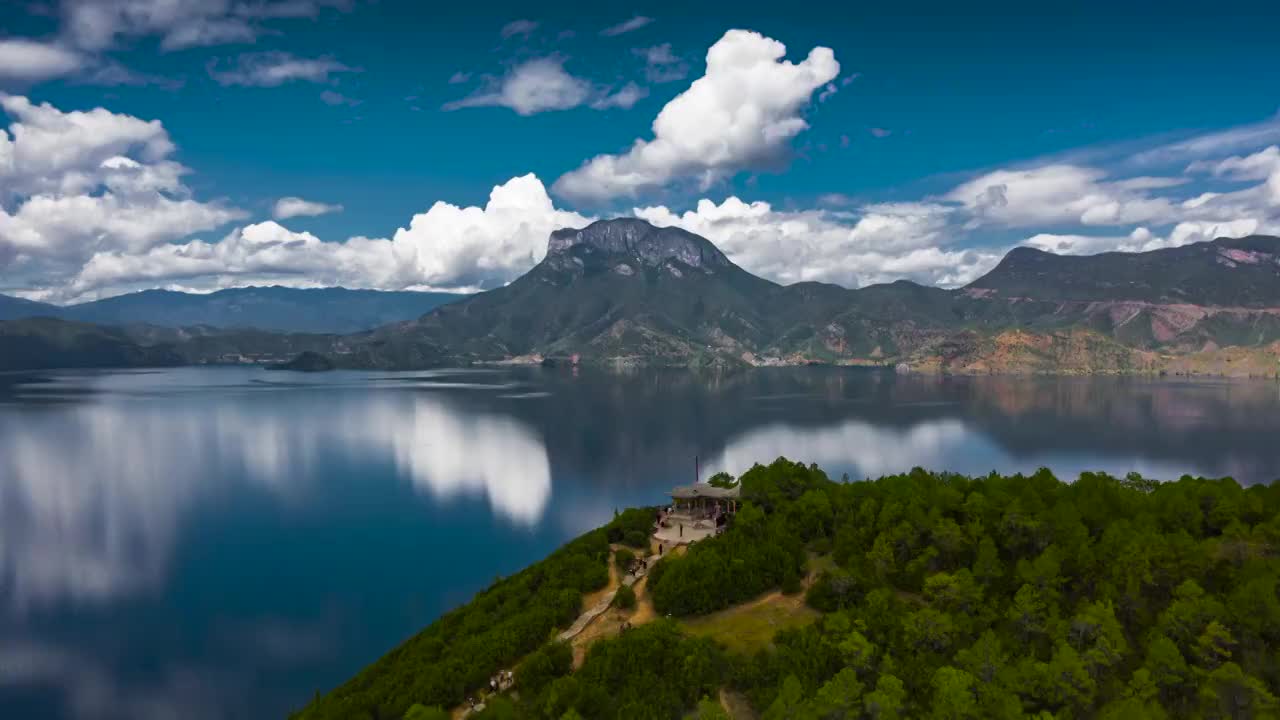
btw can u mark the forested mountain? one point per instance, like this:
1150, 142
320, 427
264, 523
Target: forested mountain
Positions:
924, 595
278, 309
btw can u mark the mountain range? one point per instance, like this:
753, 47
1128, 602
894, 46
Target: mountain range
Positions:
626, 292
279, 309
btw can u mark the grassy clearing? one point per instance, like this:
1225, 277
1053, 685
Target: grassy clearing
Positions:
748, 627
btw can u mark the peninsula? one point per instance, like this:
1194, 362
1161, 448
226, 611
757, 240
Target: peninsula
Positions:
917, 595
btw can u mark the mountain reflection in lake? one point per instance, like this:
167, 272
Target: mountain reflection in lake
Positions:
222, 542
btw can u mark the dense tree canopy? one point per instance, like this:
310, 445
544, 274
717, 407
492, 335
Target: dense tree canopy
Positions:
1005, 597
943, 597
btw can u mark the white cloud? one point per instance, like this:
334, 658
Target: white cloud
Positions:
1061, 194
1215, 144
532, 87
1258, 166
31, 60
53, 151
74, 226
107, 72
329, 97
523, 28
95, 24
744, 111
626, 97
270, 69
446, 247
1065, 244
78, 183
662, 65
1072, 196
1264, 164
881, 243
543, 85
468, 248
1143, 240
98, 24
627, 26
288, 207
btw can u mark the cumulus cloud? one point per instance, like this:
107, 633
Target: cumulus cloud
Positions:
626, 26
47, 150
469, 248
446, 247
270, 69
661, 65
30, 60
880, 243
76, 183
744, 111
543, 85
288, 207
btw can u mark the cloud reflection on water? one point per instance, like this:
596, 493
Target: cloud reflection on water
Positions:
869, 450
91, 495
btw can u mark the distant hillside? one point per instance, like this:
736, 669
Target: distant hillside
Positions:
12, 308
320, 310
38, 343
1242, 272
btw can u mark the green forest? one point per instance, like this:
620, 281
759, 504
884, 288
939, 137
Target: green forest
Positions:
939, 596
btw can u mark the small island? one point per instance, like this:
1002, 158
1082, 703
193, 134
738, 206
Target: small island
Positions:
789, 596
306, 361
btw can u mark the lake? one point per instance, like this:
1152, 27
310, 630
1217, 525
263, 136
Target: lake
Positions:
224, 542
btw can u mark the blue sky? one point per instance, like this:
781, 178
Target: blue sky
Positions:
917, 142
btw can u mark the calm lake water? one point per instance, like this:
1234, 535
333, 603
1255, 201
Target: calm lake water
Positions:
222, 542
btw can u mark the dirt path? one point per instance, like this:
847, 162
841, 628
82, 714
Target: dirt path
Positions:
736, 705
590, 599
598, 602
644, 604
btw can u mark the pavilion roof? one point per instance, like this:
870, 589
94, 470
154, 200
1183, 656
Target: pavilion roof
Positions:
703, 490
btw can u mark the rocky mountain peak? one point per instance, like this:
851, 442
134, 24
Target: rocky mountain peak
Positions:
635, 239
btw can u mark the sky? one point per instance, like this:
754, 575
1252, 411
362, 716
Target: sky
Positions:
203, 144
